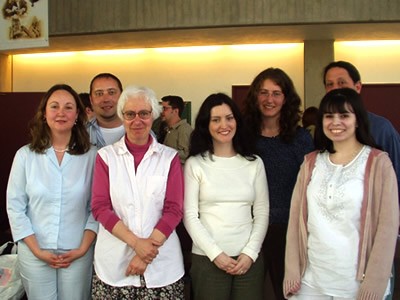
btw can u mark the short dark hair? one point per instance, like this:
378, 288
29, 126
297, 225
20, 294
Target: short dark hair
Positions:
201, 140
310, 116
335, 101
175, 102
351, 69
105, 75
86, 100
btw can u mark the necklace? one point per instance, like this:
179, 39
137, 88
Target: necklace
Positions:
347, 158
60, 150
271, 133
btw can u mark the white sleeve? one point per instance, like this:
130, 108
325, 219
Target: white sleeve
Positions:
196, 230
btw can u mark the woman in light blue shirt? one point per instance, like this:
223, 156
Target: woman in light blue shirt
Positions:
48, 200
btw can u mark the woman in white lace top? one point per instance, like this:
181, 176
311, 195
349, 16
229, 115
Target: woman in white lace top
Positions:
344, 216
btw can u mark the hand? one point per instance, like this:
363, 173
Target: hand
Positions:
136, 266
53, 260
291, 287
225, 262
244, 263
71, 255
147, 249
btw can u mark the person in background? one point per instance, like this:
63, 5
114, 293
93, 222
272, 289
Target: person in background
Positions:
340, 74
85, 97
272, 111
178, 130
225, 212
309, 119
106, 128
159, 129
344, 216
138, 201
48, 200
175, 133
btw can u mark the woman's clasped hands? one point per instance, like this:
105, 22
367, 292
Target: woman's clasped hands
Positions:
58, 261
146, 251
233, 266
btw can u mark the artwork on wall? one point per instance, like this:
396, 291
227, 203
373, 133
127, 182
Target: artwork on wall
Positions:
24, 24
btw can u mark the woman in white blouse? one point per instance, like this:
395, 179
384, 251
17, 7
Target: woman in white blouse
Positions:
138, 199
48, 200
344, 215
226, 205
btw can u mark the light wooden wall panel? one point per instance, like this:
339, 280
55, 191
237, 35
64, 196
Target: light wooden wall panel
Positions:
90, 16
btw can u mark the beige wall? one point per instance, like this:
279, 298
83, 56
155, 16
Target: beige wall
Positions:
196, 73
5, 73
377, 63
193, 75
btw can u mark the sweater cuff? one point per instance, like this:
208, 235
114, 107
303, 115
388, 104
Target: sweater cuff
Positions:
367, 295
164, 228
213, 253
250, 254
109, 225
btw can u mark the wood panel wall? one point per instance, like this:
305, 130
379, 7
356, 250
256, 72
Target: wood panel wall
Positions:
18, 109
68, 17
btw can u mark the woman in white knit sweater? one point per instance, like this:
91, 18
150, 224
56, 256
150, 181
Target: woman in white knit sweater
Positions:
226, 205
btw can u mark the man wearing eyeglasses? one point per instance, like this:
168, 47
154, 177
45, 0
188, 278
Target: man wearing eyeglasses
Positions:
342, 74
178, 130
106, 128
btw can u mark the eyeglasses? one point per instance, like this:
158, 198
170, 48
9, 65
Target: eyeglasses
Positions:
143, 114
273, 94
110, 92
164, 108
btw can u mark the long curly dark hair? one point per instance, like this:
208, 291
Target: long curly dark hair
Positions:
290, 113
201, 140
40, 131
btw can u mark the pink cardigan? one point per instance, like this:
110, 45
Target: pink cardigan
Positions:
378, 232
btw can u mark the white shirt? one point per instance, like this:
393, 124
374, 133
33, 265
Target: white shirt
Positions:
138, 200
226, 205
335, 195
111, 135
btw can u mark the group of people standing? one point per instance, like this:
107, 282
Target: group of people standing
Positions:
255, 192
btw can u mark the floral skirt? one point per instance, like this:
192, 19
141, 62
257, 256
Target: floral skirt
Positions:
103, 291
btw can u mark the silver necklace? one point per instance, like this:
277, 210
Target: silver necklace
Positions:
60, 150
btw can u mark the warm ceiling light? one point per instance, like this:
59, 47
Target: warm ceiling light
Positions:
114, 52
44, 55
370, 43
264, 46
192, 49
169, 50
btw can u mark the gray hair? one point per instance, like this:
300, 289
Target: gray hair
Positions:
142, 92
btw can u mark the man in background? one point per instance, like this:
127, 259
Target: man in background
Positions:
342, 74
178, 130
88, 105
106, 127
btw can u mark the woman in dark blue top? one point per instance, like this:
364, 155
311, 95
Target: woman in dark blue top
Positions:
272, 111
